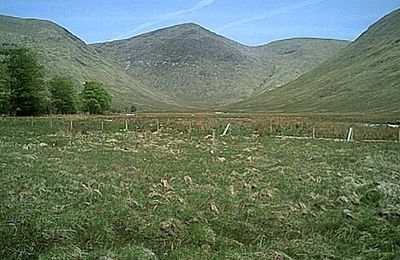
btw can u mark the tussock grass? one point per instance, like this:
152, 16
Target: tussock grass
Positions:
140, 195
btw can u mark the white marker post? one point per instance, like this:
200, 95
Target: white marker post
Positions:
350, 134
226, 129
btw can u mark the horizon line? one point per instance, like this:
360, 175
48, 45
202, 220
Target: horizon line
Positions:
174, 25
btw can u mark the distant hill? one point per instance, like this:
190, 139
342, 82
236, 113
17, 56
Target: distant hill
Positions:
64, 54
363, 77
201, 68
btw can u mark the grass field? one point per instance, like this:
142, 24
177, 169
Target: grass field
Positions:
114, 194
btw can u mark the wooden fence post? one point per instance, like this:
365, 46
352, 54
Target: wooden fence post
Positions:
190, 130
399, 135
313, 132
71, 126
158, 125
213, 140
126, 125
31, 121
102, 126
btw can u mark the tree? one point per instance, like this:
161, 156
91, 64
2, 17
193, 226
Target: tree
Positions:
24, 80
95, 98
63, 96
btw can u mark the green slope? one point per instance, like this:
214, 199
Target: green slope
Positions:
294, 57
64, 54
363, 77
204, 69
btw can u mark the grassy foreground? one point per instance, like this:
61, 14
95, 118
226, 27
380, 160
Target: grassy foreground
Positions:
139, 195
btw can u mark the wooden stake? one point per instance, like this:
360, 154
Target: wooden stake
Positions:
71, 126
32, 121
213, 140
399, 135
51, 123
126, 125
158, 125
190, 130
102, 126
313, 132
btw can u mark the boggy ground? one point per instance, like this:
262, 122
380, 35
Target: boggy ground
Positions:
140, 195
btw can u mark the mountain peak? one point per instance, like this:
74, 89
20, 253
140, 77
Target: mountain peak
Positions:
179, 30
189, 25
194, 64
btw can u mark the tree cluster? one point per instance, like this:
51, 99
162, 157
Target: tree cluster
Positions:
24, 92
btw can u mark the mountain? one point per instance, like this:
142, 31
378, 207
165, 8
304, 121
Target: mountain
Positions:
203, 69
61, 53
363, 77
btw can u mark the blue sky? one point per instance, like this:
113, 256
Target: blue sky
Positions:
251, 22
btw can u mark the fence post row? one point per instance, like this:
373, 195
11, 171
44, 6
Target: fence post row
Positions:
363, 132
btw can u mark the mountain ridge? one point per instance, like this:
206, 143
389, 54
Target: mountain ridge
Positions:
64, 54
364, 76
197, 66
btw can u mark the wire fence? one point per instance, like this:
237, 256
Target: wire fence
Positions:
298, 127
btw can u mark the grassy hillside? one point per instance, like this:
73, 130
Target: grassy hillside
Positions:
64, 54
294, 57
363, 77
205, 69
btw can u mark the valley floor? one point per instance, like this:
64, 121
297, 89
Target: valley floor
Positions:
173, 195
